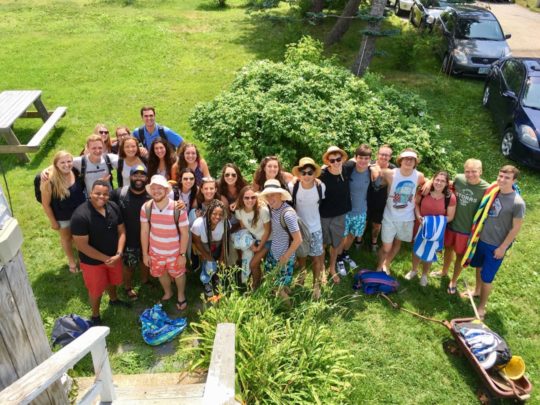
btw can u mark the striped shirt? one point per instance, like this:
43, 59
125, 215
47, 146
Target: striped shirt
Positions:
280, 237
164, 239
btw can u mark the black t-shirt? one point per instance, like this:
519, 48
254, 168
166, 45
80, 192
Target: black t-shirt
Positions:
376, 197
337, 199
130, 207
102, 230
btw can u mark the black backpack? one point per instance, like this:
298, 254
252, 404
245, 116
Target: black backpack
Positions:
295, 192
37, 184
140, 135
107, 162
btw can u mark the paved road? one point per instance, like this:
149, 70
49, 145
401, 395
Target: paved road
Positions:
523, 24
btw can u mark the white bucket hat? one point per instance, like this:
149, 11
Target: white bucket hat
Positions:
274, 186
160, 181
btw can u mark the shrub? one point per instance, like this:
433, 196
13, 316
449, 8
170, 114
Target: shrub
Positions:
300, 107
282, 357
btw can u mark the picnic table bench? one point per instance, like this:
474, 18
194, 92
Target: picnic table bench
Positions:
15, 104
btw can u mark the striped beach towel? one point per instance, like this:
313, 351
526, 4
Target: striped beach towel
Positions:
430, 238
478, 222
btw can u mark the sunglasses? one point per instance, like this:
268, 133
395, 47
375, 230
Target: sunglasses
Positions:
230, 174
121, 135
338, 159
307, 172
188, 178
104, 132
250, 198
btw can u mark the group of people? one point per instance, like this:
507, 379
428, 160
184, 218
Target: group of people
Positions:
168, 215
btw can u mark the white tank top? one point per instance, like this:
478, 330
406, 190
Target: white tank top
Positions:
400, 202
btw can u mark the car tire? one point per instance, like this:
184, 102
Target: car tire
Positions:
396, 8
507, 143
447, 64
485, 97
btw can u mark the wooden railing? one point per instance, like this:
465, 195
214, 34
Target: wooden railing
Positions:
29, 386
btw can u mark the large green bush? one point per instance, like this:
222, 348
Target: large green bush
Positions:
301, 106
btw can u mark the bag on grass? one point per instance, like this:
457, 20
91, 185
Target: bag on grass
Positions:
374, 282
158, 328
68, 328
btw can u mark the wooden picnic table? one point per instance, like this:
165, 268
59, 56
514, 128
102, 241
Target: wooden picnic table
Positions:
14, 104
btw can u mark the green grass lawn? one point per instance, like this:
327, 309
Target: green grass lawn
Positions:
103, 60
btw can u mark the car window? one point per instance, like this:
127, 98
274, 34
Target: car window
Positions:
513, 74
531, 93
468, 28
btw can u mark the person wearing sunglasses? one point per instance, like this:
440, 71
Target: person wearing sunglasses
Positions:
334, 207
399, 213
230, 184
101, 130
307, 194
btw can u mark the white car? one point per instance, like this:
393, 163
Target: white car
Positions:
400, 6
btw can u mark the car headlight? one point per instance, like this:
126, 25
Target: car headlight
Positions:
460, 56
528, 136
430, 19
507, 52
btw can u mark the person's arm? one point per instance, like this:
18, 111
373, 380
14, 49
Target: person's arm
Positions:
45, 173
451, 210
501, 250
417, 203
119, 247
184, 239
145, 235
200, 247
295, 242
81, 242
173, 137
46, 196
204, 168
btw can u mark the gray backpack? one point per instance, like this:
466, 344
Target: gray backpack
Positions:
303, 249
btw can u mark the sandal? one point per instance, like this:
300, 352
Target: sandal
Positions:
181, 305
131, 294
451, 290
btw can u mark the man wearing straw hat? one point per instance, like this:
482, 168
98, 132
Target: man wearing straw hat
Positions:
306, 197
285, 240
334, 207
398, 218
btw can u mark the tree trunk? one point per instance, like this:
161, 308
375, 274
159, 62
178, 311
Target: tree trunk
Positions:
367, 47
317, 6
343, 23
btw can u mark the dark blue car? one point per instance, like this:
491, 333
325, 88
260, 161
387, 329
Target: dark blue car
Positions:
512, 94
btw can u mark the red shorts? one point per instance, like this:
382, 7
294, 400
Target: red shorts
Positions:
456, 240
159, 265
99, 276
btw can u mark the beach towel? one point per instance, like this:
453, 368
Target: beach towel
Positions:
430, 238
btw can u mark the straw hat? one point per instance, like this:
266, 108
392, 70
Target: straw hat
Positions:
273, 186
306, 161
160, 181
332, 150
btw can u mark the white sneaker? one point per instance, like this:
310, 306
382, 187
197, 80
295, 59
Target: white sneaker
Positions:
423, 280
410, 275
341, 268
347, 259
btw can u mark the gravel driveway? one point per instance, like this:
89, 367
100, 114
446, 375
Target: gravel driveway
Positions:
524, 25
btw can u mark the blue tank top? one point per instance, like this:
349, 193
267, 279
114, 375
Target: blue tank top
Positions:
63, 209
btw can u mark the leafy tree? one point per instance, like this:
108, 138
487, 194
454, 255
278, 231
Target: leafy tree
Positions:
300, 107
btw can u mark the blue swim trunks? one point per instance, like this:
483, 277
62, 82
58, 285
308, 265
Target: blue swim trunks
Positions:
286, 272
355, 224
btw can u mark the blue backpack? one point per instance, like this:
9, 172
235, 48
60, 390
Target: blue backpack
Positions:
374, 282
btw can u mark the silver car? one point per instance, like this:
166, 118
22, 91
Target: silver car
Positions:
471, 40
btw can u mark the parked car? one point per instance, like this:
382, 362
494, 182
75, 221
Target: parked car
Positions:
424, 13
512, 94
400, 7
471, 40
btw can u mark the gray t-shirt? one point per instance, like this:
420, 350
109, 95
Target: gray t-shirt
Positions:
95, 171
359, 184
505, 208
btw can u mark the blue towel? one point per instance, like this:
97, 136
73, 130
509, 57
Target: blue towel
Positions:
430, 238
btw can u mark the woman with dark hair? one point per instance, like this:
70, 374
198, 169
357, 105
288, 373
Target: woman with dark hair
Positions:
160, 158
187, 189
438, 205
270, 168
189, 157
230, 184
60, 195
254, 218
211, 238
129, 157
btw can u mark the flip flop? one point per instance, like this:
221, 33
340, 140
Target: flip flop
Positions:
131, 294
451, 290
181, 305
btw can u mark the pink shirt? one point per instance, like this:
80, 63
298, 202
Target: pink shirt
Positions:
164, 239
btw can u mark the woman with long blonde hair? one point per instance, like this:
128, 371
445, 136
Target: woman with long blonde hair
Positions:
61, 194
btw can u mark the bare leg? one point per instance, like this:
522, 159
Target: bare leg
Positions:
457, 271
66, 242
255, 266
165, 281
145, 272
390, 250
448, 257
425, 268
94, 304
318, 264
181, 287
485, 291
415, 263
302, 273
375, 231
127, 275
334, 252
348, 241
111, 290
